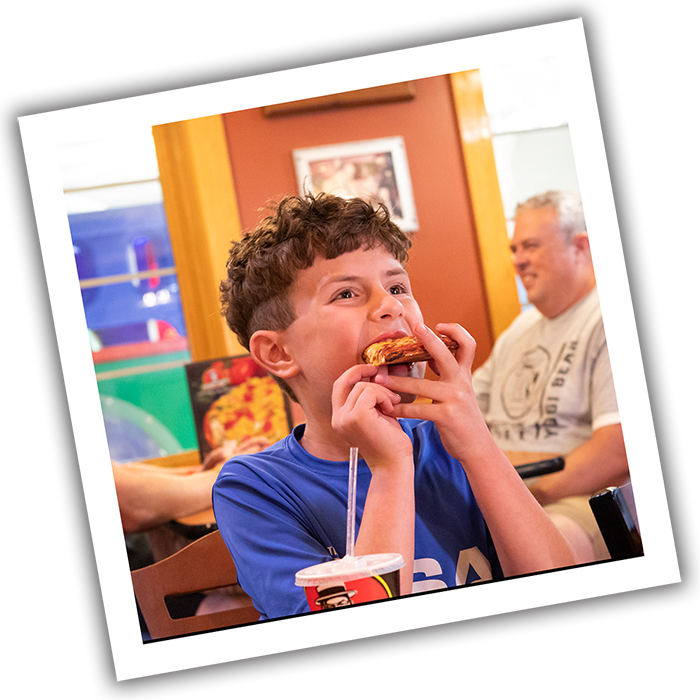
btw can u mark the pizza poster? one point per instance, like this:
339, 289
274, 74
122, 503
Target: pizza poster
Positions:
234, 398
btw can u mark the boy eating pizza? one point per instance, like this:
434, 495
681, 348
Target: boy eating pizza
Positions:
307, 292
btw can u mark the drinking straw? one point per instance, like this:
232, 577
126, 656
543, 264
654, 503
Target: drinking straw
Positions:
352, 498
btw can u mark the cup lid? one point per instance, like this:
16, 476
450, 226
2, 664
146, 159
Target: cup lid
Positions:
349, 569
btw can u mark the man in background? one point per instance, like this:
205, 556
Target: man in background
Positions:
547, 388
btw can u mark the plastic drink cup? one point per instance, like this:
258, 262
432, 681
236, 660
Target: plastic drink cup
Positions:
351, 580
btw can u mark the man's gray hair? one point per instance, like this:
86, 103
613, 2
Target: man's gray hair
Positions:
566, 204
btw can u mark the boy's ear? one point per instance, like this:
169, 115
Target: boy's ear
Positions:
269, 350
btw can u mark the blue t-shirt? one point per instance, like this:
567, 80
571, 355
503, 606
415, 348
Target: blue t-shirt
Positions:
283, 509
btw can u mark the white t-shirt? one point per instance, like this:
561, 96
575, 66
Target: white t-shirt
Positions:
548, 384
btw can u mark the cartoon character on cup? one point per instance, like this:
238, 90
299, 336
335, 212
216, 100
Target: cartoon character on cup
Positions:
334, 595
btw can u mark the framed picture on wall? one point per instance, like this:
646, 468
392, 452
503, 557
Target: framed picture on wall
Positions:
375, 170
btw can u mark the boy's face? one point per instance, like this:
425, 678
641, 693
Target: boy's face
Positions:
344, 305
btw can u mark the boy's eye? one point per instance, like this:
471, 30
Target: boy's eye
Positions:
344, 294
398, 289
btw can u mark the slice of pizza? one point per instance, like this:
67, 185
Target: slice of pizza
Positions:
395, 351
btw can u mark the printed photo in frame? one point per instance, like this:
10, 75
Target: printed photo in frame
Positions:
376, 170
234, 399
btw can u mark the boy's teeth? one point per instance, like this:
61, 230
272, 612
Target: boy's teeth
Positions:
401, 369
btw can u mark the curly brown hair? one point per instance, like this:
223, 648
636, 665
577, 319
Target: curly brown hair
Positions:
263, 266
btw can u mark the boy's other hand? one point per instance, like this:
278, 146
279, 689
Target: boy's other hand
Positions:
453, 407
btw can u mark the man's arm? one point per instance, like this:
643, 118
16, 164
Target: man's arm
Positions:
149, 496
595, 465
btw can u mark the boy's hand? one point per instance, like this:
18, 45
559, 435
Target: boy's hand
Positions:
454, 408
363, 413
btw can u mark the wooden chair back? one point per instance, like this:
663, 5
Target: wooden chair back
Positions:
203, 565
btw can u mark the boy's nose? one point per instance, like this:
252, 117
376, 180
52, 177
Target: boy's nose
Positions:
387, 306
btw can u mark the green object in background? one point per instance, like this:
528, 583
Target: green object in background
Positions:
161, 393
135, 433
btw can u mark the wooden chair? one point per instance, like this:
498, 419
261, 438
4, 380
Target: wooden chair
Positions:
616, 515
203, 565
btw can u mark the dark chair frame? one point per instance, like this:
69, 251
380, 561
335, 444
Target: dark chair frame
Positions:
616, 514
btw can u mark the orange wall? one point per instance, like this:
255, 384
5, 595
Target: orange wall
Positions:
444, 262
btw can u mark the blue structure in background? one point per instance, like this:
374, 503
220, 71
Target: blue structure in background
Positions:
146, 415
119, 242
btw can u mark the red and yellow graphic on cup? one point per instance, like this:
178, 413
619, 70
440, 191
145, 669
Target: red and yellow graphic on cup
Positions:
351, 580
